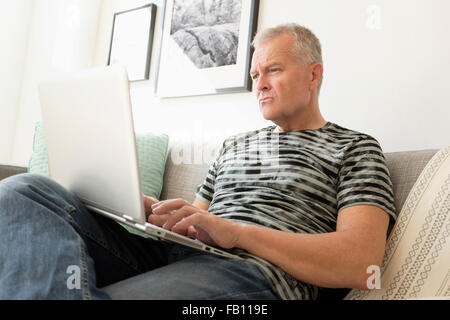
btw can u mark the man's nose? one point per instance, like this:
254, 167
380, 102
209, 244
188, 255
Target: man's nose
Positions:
262, 84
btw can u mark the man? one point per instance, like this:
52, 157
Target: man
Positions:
306, 203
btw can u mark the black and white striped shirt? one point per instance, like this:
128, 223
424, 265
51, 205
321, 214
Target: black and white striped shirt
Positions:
296, 182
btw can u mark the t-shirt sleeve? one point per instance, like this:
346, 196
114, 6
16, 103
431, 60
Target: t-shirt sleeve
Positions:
364, 178
205, 191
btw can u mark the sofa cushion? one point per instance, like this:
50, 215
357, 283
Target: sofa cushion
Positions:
186, 168
404, 168
8, 170
416, 263
39, 161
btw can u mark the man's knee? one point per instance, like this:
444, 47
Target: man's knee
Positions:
28, 193
37, 188
23, 183
15, 193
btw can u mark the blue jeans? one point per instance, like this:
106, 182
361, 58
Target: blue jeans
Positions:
53, 247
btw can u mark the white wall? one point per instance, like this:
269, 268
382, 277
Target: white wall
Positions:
386, 64
14, 23
62, 38
392, 81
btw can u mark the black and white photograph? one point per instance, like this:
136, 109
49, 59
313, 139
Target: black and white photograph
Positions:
206, 47
132, 39
207, 31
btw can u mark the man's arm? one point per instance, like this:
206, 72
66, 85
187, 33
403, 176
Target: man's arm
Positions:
336, 260
202, 205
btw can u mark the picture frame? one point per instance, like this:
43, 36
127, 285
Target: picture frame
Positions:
132, 41
206, 49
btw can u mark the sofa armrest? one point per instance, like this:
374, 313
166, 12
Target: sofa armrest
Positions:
8, 170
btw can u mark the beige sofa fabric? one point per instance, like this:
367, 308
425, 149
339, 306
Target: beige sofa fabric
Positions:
184, 172
7, 170
417, 258
405, 168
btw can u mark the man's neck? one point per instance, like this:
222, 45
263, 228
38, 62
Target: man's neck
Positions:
314, 121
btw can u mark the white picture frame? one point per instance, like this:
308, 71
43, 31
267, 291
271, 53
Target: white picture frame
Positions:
132, 41
183, 70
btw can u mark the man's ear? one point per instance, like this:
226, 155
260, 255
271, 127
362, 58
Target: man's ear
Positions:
316, 71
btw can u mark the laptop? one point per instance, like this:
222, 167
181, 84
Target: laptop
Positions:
91, 145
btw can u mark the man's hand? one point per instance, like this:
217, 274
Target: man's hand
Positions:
182, 217
148, 202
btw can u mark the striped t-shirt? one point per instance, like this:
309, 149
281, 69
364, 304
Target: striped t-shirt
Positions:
295, 182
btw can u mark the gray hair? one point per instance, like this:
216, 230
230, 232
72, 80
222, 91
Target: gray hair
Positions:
306, 49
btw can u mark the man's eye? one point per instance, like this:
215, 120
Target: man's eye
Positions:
254, 77
275, 70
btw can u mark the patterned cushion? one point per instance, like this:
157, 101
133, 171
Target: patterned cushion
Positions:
416, 263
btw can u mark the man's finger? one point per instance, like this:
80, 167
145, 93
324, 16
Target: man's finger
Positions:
178, 215
149, 201
157, 220
182, 225
166, 206
191, 232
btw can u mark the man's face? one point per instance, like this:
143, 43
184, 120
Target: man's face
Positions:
282, 84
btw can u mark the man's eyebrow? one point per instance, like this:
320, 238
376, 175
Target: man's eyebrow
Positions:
271, 65
274, 64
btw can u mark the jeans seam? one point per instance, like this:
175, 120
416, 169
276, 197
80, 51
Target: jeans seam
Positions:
86, 293
69, 209
110, 250
101, 243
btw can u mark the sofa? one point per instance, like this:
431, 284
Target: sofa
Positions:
411, 282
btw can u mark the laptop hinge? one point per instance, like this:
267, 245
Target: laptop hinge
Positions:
128, 218
140, 226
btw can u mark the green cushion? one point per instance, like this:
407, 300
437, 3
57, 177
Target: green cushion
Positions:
152, 155
39, 161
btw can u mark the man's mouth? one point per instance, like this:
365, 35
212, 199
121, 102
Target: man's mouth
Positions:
265, 99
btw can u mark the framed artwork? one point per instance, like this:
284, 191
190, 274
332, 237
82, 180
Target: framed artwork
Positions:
206, 47
132, 39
